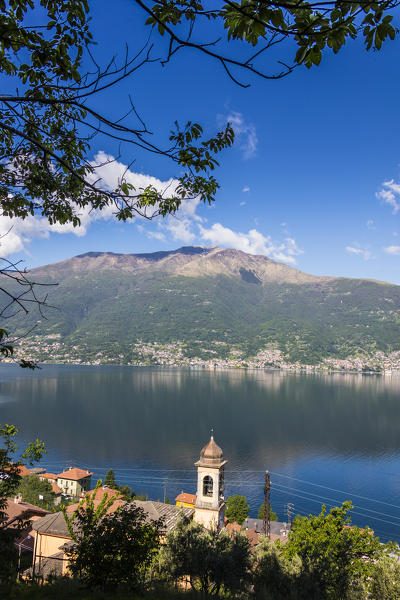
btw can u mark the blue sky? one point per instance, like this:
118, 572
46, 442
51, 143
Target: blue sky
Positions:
313, 179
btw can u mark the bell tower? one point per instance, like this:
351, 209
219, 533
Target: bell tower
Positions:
210, 501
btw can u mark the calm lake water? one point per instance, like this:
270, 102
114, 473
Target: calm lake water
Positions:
324, 438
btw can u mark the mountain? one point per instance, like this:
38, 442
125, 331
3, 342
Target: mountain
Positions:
207, 303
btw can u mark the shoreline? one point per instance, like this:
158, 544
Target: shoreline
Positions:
303, 370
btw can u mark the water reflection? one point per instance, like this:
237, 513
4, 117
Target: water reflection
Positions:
338, 430
265, 417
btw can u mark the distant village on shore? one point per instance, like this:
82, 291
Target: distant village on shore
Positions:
50, 349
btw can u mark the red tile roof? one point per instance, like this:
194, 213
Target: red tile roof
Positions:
233, 527
21, 510
21, 471
74, 474
188, 498
55, 489
99, 497
49, 476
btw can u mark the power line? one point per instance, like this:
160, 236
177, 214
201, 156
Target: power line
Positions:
336, 501
181, 470
335, 490
154, 479
333, 505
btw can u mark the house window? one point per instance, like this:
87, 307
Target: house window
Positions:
207, 486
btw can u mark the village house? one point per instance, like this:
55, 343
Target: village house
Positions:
207, 507
22, 471
97, 495
73, 482
16, 510
19, 514
187, 500
52, 537
52, 479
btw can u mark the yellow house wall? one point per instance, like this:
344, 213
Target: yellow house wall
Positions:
186, 504
48, 545
68, 486
72, 487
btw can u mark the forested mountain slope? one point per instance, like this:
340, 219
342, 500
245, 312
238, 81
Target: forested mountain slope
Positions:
209, 301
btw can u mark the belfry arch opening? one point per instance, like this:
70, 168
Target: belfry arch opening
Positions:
207, 486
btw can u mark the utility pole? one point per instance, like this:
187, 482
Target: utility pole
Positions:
165, 488
290, 509
267, 506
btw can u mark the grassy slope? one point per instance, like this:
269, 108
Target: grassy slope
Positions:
99, 308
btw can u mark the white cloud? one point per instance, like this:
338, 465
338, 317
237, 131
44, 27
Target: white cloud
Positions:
390, 194
156, 235
364, 252
394, 250
110, 172
370, 224
242, 203
246, 189
252, 242
185, 227
180, 229
188, 209
245, 132
16, 234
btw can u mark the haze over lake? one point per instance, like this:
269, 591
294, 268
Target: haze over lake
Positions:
325, 438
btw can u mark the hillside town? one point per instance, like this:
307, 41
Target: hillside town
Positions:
46, 536
51, 349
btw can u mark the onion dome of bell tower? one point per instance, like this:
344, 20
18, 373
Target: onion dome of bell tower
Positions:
211, 454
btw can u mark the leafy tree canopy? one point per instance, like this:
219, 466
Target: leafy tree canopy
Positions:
109, 479
302, 28
275, 576
48, 118
333, 553
260, 515
110, 549
212, 561
36, 491
385, 580
47, 124
127, 493
237, 509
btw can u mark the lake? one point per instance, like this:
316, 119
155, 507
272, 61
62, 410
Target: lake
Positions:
324, 438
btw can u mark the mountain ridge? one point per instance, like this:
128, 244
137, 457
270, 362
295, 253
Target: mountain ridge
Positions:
200, 252
203, 304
